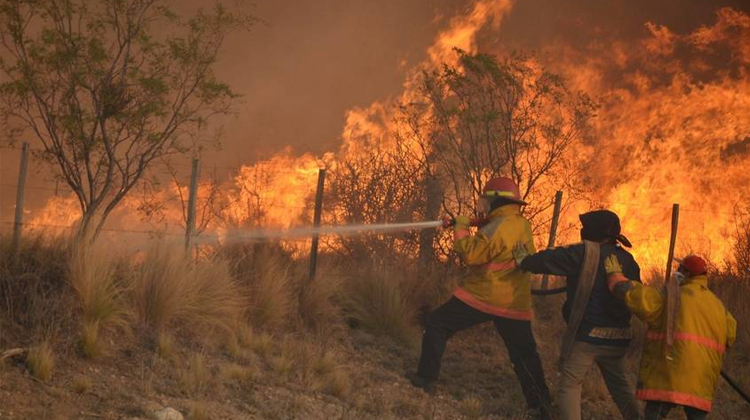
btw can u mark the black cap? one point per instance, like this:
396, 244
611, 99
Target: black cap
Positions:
601, 225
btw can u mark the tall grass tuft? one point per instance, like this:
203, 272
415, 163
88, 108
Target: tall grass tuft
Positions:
375, 301
101, 295
196, 377
317, 302
266, 273
41, 361
171, 291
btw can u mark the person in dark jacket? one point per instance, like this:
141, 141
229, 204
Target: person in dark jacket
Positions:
603, 332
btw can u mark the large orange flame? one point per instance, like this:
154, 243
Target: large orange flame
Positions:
672, 128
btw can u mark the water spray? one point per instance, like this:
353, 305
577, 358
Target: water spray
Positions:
343, 230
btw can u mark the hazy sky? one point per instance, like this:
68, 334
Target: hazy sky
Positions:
312, 60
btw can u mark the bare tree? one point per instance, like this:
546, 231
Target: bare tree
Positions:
491, 117
110, 87
161, 207
383, 186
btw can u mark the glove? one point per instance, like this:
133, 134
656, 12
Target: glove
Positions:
679, 278
520, 252
612, 265
617, 283
461, 222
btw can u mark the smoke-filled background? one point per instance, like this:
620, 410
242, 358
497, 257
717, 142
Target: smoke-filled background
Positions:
671, 79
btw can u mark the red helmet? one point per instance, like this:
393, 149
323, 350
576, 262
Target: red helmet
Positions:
693, 264
504, 188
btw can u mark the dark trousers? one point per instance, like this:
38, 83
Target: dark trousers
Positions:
657, 410
455, 316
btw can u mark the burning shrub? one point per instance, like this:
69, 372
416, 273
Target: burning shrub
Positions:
490, 116
385, 186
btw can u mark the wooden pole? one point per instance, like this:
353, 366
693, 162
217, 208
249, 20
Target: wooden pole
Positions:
553, 231
673, 289
20, 194
190, 223
316, 222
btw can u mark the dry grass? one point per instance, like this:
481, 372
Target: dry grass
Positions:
199, 411
164, 345
41, 361
102, 298
262, 344
81, 385
265, 271
375, 301
338, 384
317, 306
242, 375
35, 299
196, 377
244, 335
326, 362
281, 364
89, 341
171, 291
318, 367
471, 407
272, 295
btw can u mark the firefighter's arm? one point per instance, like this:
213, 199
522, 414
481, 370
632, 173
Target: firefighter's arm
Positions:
555, 261
731, 330
474, 249
645, 302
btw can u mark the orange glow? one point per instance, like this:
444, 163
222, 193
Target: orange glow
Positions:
673, 128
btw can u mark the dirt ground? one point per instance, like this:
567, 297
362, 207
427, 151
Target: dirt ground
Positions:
257, 382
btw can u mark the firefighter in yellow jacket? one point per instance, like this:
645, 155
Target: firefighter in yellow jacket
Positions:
684, 374
495, 290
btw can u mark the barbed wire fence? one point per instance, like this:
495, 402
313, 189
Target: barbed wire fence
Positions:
39, 180
38, 187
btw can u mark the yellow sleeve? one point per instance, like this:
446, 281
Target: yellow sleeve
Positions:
474, 249
645, 302
731, 330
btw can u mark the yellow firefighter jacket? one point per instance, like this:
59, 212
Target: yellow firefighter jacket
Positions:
494, 284
687, 372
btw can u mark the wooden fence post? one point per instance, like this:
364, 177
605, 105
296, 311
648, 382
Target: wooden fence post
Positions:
316, 223
20, 193
190, 222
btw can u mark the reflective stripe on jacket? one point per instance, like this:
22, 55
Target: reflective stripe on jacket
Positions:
687, 373
494, 284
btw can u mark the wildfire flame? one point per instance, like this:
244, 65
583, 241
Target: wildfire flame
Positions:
672, 128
